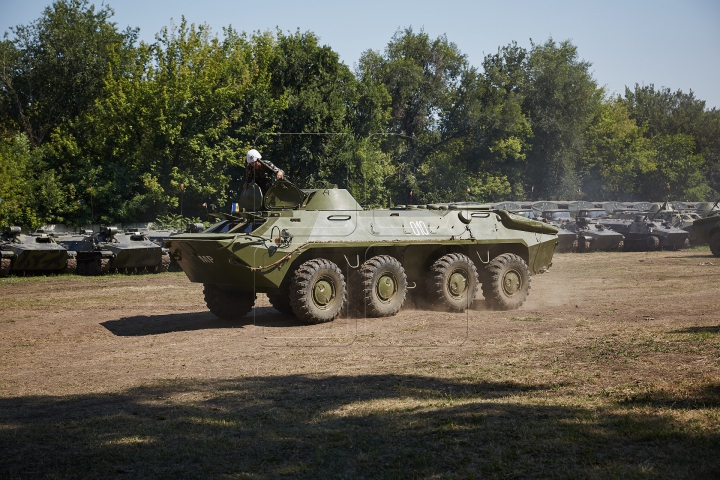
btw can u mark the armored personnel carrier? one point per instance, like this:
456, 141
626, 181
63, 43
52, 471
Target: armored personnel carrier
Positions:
33, 254
316, 252
707, 229
108, 250
642, 234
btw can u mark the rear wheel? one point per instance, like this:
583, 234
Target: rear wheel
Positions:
453, 282
380, 287
228, 305
506, 282
715, 244
317, 291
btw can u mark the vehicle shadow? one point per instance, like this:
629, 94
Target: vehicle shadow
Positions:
143, 325
707, 329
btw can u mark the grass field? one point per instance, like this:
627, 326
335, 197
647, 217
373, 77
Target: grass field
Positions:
611, 370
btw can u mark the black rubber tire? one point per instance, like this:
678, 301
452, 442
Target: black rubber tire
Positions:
317, 291
715, 244
163, 266
449, 291
70, 265
280, 299
380, 287
652, 243
228, 305
506, 282
5, 266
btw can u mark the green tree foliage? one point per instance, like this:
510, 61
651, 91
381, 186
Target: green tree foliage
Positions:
54, 68
95, 127
30, 192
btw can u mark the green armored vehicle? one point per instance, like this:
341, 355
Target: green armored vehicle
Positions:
317, 252
707, 229
108, 250
33, 254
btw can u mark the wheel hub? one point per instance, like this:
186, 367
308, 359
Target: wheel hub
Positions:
511, 283
457, 284
323, 293
386, 287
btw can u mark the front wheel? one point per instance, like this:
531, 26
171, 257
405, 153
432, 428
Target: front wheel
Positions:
507, 282
317, 291
715, 244
280, 299
453, 281
228, 305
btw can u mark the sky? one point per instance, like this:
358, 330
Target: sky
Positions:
673, 44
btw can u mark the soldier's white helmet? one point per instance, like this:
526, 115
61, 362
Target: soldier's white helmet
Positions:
253, 156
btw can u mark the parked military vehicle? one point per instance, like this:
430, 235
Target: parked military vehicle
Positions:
706, 208
559, 218
707, 229
592, 235
316, 252
639, 206
642, 234
33, 254
108, 250
683, 220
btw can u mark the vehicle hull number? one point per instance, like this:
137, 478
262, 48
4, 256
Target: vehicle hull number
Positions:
419, 228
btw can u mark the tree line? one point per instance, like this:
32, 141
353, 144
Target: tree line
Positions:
96, 126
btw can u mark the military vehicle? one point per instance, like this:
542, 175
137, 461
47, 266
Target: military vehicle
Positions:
567, 239
707, 229
642, 234
108, 250
592, 235
706, 208
33, 254
317, 252
683, 220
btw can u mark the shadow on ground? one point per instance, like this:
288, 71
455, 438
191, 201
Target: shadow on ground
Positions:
371, 426
142, 325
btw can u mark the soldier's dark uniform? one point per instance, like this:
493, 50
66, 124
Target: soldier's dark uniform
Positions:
263, 176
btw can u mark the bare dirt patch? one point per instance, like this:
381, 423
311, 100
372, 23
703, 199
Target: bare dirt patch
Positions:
612, 368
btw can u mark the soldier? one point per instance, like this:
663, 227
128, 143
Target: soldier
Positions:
260, 171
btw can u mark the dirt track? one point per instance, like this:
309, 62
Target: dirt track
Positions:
601, 325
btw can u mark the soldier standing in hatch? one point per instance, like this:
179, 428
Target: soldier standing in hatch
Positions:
260, 171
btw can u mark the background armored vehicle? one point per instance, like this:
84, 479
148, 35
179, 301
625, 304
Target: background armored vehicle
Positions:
707, 229
639, 206
31, 254
567, 239
109, 250
642, 234
509, 206
706, 208
678, 219
592, 235
316, 252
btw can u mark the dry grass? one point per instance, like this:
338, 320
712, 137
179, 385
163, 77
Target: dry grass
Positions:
612, 369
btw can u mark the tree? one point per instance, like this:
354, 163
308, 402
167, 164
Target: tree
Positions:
54, 68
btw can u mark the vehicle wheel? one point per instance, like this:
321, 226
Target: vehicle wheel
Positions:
228, 305
380, 287
715, 244
70, 265
280, 299
507, 282
163, 266
621, 245
453, 281
652, 242
5, 265
317, 291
